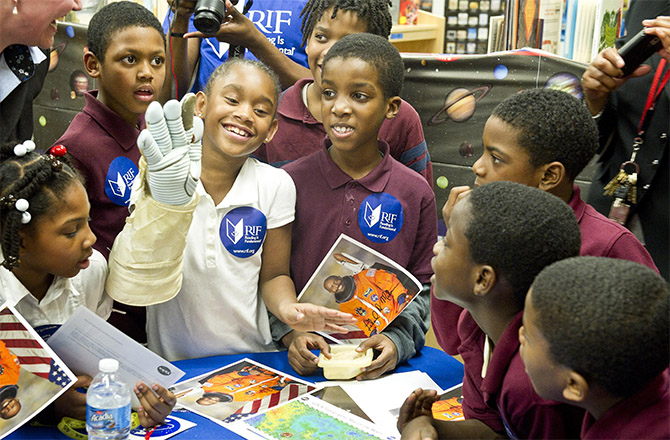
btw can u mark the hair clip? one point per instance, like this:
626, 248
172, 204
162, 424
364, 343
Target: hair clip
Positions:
10, 262
25, 147
54, 153
22, 206
8, 201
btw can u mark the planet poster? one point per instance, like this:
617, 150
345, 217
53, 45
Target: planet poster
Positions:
455, 94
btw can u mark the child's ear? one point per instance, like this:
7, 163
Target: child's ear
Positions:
576, 388
392, 107
486, 279
91, 64
200, 104
272, 131
553, 175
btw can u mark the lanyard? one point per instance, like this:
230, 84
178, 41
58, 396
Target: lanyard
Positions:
655, 90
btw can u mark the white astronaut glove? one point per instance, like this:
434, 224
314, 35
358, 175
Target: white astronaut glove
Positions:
172, 149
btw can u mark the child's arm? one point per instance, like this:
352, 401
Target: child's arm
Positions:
72, 403
182, 53
417, 404
278, 291
155, 405
239, 30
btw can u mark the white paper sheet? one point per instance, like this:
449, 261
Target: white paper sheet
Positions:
381, 398
86, 338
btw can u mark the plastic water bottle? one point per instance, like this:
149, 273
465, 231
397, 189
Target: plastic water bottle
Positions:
107, 404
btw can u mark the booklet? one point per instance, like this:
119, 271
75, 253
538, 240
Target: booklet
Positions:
86, 338
238, 390
356, 279
31, 374
450, 405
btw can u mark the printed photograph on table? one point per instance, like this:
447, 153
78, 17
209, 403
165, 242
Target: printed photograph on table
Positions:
356, 279
238, 390
31, 375
309, 418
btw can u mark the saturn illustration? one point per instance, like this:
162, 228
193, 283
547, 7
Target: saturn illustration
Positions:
54, 55
459, 105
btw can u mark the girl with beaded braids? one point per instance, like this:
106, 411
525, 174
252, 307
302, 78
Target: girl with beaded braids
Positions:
48, 265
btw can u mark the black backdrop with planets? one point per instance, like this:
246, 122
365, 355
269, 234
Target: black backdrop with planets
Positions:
455, 94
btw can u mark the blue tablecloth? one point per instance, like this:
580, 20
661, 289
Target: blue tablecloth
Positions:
442, 368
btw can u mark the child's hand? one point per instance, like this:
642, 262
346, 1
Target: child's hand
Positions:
155, 405
299, 344
309, 317
417, 404
72, 403
171, 147
386, 361
456, 194
420, 428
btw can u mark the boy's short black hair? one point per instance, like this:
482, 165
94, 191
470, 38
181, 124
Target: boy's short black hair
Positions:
605, 318
375, 13
115, 17
553, 126
518, 230
379, 53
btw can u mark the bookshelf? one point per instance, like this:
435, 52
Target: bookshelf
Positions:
426, 36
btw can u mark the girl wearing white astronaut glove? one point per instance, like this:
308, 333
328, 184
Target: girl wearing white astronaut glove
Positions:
209, 234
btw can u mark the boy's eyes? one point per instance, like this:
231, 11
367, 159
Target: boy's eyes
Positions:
231, 100
158, 61
129, 59
320, 37
261, 112
359, 96
327, 93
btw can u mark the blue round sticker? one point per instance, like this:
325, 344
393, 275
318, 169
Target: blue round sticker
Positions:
242, 231
169, 426
380, 217
120, 176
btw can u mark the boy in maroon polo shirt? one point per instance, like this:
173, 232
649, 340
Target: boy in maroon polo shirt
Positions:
546, 152
595, 334
499, 238
126, 54
301, 126
352, 175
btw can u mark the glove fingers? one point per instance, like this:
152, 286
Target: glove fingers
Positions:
157, 126
148, 147
187, 112
198, 128
172, 110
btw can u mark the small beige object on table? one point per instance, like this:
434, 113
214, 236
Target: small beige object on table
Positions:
345, 362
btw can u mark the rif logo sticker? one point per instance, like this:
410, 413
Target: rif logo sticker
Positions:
380, 217
119, 181
242, 231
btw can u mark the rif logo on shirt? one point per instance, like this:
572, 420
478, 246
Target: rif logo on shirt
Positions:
120, 176
242, 231
380, 217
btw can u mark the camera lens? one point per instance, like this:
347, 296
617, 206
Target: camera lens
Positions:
209, 15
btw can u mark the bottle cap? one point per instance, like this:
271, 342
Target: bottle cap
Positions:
108, 365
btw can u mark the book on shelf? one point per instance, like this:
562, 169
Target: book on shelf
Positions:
591, 26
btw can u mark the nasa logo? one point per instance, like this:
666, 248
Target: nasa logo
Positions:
169, 427
242, 231
119, 181
380, 217
165, 371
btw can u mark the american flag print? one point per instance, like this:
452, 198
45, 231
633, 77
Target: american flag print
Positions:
31, 351
289, 392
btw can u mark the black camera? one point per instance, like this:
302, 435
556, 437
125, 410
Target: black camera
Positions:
637, 50
208, 15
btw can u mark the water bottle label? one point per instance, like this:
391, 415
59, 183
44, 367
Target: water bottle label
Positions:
108, 419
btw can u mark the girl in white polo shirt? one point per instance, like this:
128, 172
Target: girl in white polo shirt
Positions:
203, 279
